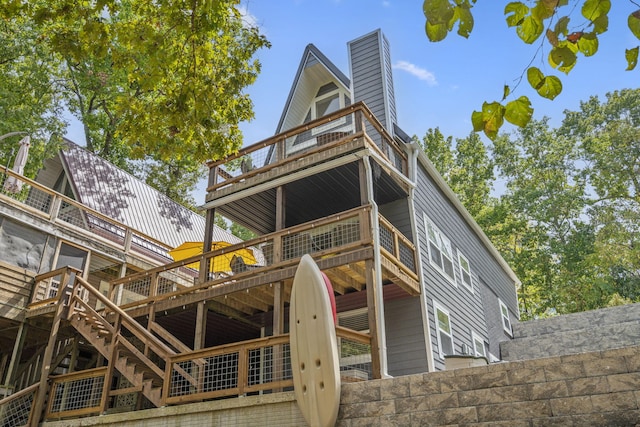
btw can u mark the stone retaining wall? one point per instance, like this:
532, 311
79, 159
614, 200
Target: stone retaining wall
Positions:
590, 389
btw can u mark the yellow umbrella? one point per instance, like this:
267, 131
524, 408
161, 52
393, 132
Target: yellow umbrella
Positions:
218, 263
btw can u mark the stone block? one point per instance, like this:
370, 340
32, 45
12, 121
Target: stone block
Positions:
605, 366
496, 395
458, 415
526, 376
549, 390
396, 420
451, 384
365, 391
497, 412
587, 386
529, 410
562, 421
442, 401
420, 385
490, 379
411, 404
624, 382
571, 405
562, 371
368, 410
622, 401
395, 388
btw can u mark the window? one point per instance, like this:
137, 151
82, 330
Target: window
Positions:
465, 271
478, 345
440, 254
504, 312
443, 326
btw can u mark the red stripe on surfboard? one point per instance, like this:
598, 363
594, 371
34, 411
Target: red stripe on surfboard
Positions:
332, 297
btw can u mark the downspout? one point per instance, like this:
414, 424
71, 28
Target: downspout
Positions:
413, 175
375, 229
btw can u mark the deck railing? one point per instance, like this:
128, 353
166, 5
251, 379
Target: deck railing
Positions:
15, 410
76, 394
352, 122
48, 287
329, 235
66, 212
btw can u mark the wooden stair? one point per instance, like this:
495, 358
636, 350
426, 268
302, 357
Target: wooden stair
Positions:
137, 368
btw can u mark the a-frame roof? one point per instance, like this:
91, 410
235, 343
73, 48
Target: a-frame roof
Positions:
104, 187
315, 68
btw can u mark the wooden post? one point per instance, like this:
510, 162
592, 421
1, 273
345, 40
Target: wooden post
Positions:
201, 326
374, 321
106, 386
38, 403
208, 238
16, 354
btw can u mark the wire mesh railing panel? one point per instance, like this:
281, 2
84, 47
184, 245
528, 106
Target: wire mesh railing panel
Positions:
407, 256
355, 360
71, 214
386, 238
269, 364
133, 291
76, 394
322, 238
15, 412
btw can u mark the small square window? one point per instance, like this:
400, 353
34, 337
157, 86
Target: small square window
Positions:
478, 345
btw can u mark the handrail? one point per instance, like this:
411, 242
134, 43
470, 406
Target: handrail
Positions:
246, 244
131, 323
20, 393
56, 272
55, 194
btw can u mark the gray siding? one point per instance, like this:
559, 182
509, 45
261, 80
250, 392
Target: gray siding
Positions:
469, 311
397, 213
406, 347
372, 81
493, 318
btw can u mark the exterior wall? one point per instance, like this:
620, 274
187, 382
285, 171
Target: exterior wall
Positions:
398, 214
15, 290
468, 310
372, 82
406, 347
495, 330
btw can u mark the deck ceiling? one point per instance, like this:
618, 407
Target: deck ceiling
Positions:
313, 197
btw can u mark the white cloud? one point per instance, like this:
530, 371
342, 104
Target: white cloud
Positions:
247, 18
414, 70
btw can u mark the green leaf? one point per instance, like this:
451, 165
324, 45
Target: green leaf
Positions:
588, 44
436, 32
543, 9
489, 120
530, 29
563, 57
601, 24
438, 11
547, 86
634, 23
594, 9
552, 37
632, 58
464, 16
505, 92
562, 26
519, 111
515, 12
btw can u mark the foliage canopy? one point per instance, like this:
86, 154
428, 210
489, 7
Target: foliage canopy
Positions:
547, 22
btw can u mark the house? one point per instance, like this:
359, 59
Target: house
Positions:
416, 281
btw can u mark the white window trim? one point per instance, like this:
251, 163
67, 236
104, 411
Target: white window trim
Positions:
428, 223
506, 320
470, 285
437, 307
474, 338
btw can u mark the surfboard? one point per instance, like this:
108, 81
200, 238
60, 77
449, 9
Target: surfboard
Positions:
314, 348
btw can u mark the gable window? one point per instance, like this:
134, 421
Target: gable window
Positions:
465, 271
443, 326
440, 254
506, 322
478, 345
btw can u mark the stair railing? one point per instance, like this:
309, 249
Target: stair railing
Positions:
15, 410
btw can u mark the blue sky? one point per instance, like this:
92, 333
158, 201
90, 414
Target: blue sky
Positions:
436, 84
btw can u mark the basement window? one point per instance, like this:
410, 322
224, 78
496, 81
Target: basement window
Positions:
506, 322
443, 326
478, 345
